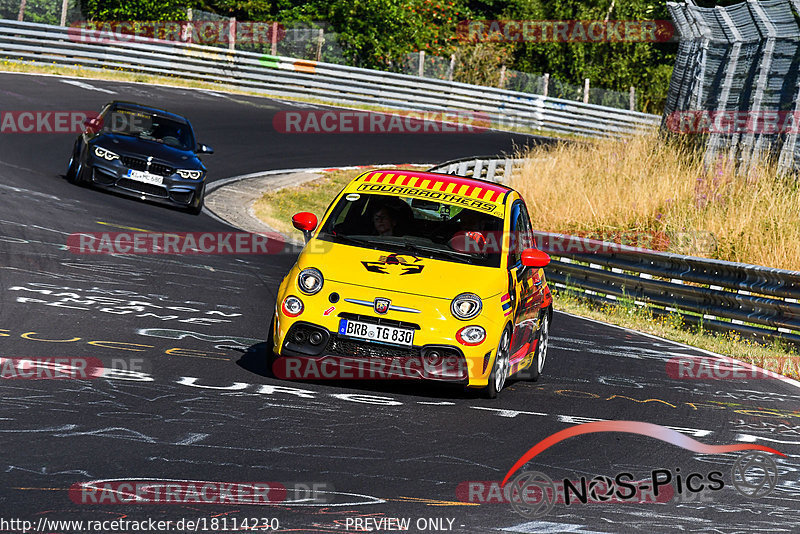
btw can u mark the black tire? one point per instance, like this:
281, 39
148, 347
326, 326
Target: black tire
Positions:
271, 356
500, 367
196, 210
543, 341
74, 164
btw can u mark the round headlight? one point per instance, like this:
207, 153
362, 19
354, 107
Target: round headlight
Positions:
466, 306
292, 306
471, 335
310, 281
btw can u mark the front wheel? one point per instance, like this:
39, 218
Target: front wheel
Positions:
195, 210
74, 165
497, 379
541, 347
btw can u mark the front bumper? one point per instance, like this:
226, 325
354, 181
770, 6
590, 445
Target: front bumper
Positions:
436, 354
113, 175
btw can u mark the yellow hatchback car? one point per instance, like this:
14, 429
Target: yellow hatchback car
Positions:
415, 275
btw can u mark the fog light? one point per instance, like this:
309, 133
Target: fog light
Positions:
300, 337
471, 335
315, 338
292, 306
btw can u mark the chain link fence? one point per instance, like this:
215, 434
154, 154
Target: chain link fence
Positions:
41, 11
441, 68
736, 81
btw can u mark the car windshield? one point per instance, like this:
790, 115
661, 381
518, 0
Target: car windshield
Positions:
420, 227
149, 126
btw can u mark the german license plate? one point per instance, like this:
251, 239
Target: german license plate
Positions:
146, 177
374, 332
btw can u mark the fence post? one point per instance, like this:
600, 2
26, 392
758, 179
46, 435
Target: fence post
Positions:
586, 90
64, 9
632, 99
502, 77
273, 37
320, 40
451, 68
421, 67
21, 14
232, 34
545, 83
187, 33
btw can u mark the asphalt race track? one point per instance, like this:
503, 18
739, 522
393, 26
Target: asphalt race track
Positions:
191, 399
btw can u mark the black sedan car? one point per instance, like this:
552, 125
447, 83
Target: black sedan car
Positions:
142, 152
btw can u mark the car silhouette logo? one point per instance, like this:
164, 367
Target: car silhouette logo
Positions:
404, 263
382, 305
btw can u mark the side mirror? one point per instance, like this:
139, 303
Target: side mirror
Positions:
305, 222
204, 149
92, 124
533, 257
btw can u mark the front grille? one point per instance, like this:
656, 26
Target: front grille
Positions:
378, 320
340, 346
103, 178
149, 189
140, 164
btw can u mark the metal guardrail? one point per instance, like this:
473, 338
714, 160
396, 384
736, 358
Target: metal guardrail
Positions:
325, 82
499, 170
756, 302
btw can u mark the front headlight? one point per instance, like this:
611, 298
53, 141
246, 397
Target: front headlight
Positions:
466, 306
101, 152
310, 281
190, 175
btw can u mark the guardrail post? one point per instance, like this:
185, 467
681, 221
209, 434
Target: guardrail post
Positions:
545, 83
21, 14
586, 91
273, 37
632, 99
232, 34
421, 66
502, 77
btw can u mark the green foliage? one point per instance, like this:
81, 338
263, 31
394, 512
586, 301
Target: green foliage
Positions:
617, 66
379, 33
137, 10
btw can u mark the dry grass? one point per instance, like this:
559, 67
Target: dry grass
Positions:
644, 185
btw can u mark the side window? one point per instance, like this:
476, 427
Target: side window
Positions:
521, 236
526, 234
